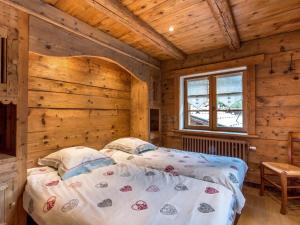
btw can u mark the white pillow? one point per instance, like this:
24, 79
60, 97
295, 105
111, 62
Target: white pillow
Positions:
75, 160
131, 145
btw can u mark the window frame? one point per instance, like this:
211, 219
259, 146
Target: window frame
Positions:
213, 103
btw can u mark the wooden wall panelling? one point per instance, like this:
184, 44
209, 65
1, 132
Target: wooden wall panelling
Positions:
62, 67
277, 94
38, 83
250, 60
91, 91
62, 100
251, 103
139, 125
63, 119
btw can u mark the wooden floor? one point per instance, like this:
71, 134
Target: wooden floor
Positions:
265, 210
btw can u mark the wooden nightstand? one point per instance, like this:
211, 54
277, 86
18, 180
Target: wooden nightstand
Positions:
8, 173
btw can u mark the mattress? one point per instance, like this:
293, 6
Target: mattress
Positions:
227, 171
125, 193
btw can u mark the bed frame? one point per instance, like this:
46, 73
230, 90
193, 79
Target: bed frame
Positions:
30, 221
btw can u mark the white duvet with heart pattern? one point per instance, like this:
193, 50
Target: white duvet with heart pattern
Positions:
142, 197
227, 171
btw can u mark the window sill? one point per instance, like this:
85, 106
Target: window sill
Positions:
216, 133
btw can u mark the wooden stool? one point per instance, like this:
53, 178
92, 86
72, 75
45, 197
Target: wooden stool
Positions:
286, 172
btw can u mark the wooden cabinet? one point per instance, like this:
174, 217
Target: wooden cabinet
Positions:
7, 188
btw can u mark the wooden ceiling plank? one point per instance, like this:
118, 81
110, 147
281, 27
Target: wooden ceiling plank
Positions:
222, 12
185, 18
258, 10
205, 24
169, 8
58, 18
280, 23
118, 12
139, 7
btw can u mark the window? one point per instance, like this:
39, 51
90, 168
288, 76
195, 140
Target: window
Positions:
215, 102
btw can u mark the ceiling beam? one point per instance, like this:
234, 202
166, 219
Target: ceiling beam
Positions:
63, 20
120, 13
223, 14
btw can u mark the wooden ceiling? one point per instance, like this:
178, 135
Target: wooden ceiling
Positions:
196, 27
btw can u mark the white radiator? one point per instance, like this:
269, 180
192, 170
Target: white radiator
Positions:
216, 146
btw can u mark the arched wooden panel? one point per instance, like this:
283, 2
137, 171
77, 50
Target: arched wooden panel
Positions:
48, 39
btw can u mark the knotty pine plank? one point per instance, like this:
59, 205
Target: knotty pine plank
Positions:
42, 84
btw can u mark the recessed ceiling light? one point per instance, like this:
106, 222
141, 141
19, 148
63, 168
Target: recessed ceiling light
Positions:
171, 28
